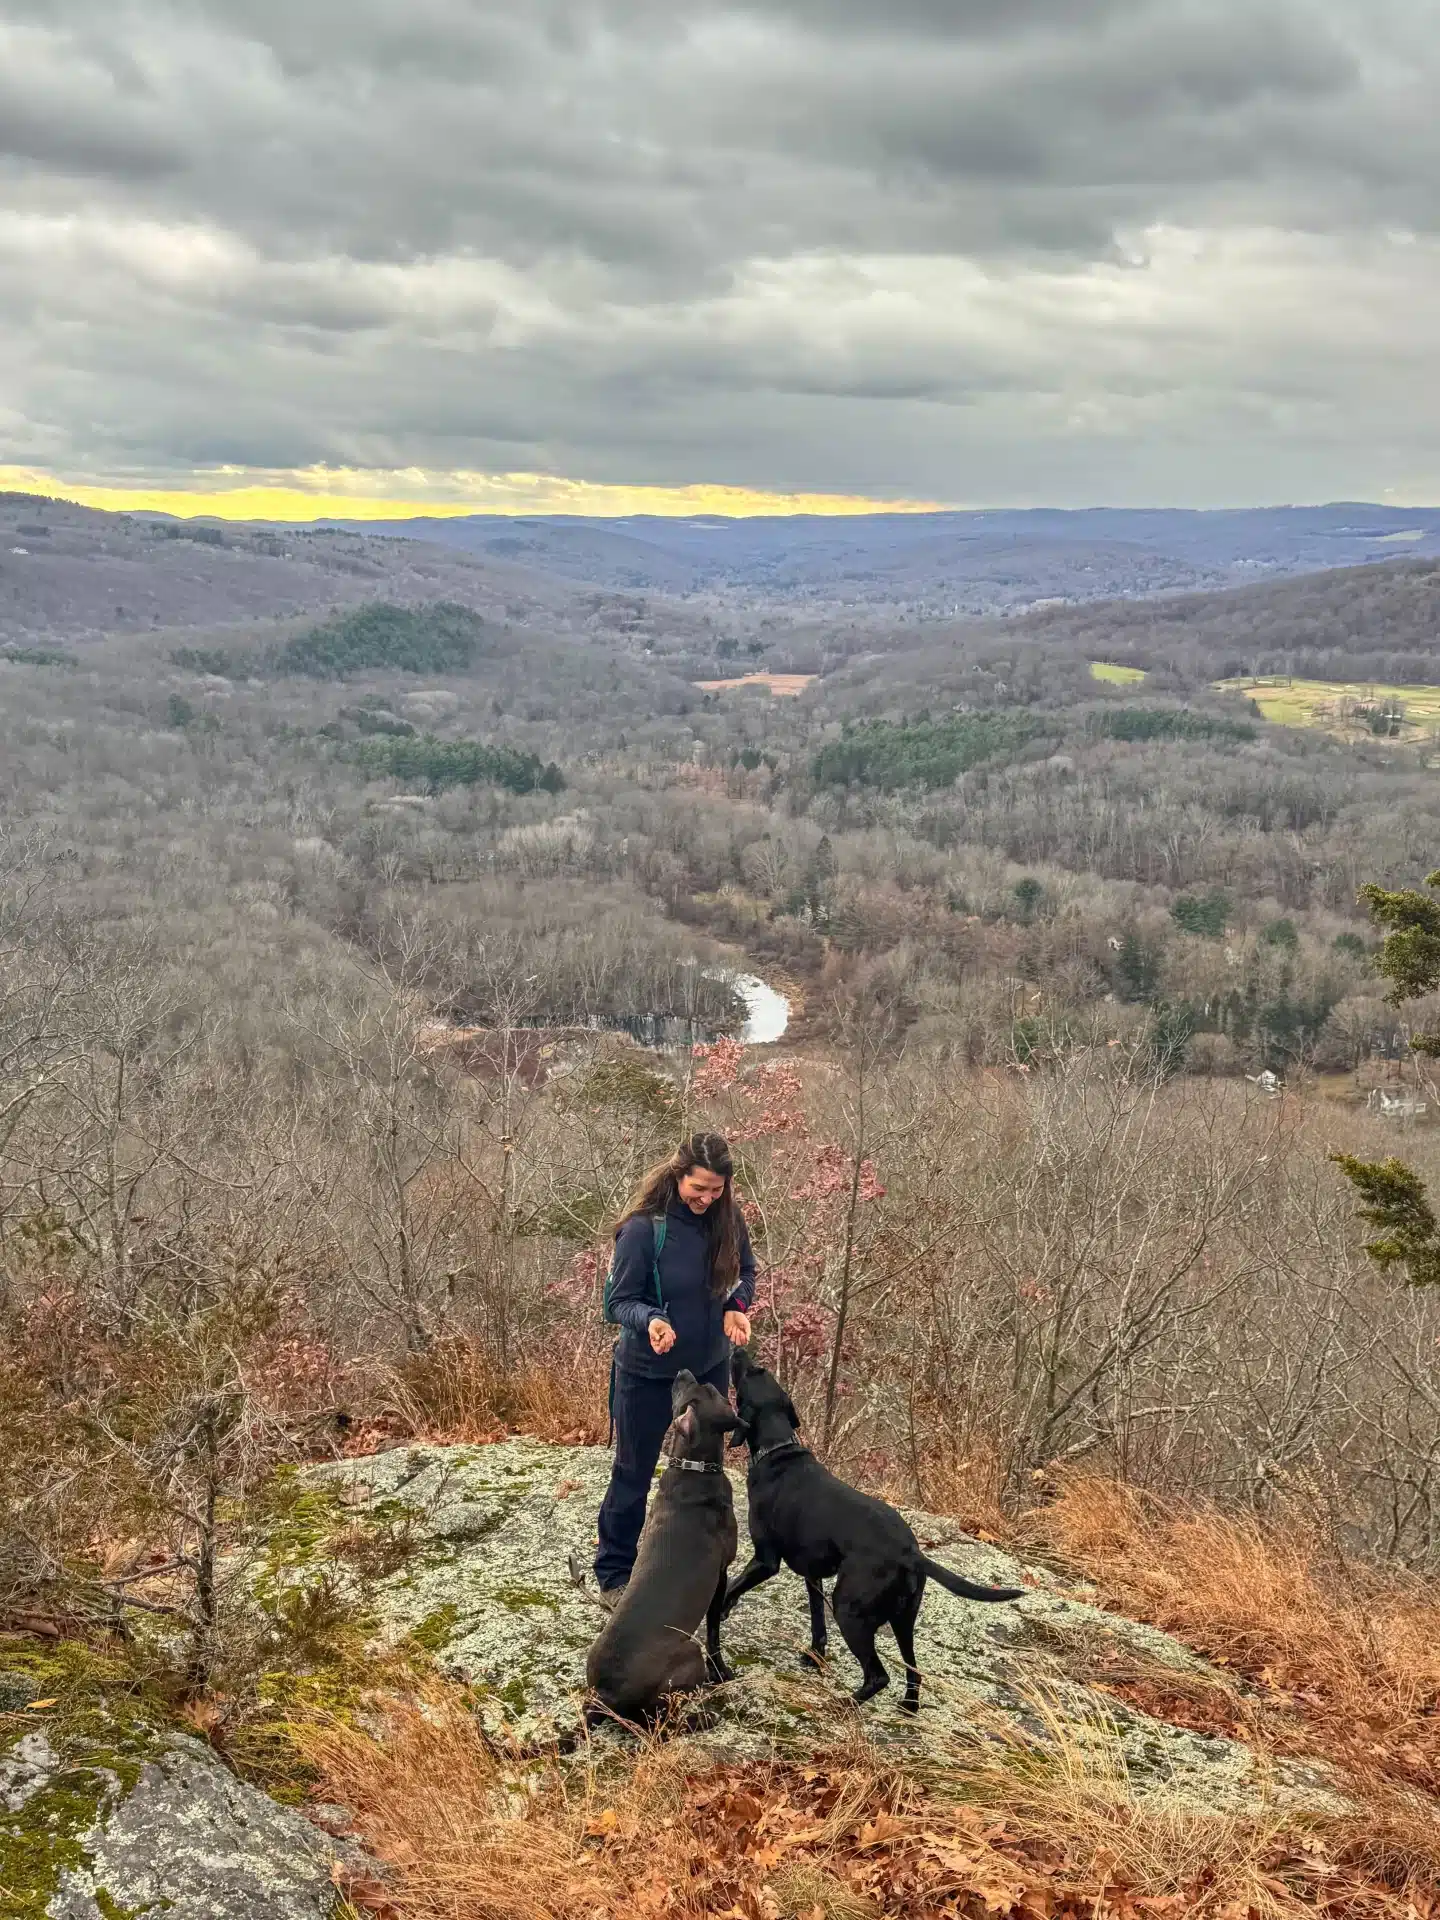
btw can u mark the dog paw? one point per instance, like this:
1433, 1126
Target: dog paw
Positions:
814, 1657
719, 1672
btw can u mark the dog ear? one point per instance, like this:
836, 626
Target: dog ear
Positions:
741, 1436
685, 1425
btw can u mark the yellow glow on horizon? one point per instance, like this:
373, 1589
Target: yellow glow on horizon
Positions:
347, 493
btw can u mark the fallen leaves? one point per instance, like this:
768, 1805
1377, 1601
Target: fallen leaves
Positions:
880, 1831
363, 1891
847, 1836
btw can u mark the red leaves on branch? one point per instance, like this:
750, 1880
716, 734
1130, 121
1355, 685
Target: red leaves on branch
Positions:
578, 1288
833, 1171
766, 1098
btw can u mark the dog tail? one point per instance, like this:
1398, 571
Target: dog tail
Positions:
968, 1589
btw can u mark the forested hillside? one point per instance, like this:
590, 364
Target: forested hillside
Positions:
1362, 623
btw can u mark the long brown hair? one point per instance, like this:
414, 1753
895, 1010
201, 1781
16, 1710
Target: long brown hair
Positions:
657, 1188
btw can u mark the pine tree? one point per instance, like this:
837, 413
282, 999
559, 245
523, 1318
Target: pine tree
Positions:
1410, 954
1393, 1195
1394, 1199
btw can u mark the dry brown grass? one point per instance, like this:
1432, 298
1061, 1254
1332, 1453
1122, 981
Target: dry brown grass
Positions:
456, 1394
966, 1483
461, 1833
1341, 1659
787, 685
1072, 1788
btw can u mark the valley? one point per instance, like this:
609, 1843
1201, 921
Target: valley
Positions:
373, 914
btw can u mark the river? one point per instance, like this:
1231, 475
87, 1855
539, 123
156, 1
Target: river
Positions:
767, 1013
767, 1017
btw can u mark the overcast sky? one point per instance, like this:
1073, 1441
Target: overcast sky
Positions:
973, 251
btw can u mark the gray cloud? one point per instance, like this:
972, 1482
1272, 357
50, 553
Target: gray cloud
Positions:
970, 249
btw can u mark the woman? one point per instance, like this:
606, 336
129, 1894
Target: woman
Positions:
685, 1306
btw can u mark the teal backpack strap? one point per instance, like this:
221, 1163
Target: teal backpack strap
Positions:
657, 1230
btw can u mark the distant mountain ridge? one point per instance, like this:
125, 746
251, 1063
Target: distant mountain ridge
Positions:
696, 592
940, 563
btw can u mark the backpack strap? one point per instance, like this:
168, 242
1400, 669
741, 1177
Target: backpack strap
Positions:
658, 1224
657, 1235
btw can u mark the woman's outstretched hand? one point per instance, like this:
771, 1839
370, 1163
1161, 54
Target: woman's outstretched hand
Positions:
662, 1335
737, 1328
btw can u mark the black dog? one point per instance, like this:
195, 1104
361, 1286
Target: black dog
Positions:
646, 1650
818, 1526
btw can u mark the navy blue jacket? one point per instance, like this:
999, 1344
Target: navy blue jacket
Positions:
690, 1307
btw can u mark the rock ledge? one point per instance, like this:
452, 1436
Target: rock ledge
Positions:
485, 1586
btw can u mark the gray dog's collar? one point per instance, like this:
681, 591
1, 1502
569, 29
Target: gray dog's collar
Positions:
697, 1466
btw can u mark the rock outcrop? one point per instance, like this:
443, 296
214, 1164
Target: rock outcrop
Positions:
105, 1812
462, 1554
484, 1584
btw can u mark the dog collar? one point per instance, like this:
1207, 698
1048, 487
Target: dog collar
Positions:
697, 1466
780, 1446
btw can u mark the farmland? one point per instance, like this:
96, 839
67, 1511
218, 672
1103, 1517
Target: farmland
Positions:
1116, 676
1347, 708
785, 684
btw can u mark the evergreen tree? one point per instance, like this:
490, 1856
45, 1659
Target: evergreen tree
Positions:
1394, 1199
1409, 957
1281, 933
1393, 1195
1137, 968
1028, 892
1206, 914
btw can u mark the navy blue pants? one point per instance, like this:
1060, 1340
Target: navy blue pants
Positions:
642, 1418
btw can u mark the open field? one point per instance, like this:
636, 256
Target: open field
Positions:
788, 684
1338, 706
1116, 676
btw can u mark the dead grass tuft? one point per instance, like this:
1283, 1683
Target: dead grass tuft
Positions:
966, 1483
1072, 1788
456, 1394
1343, 1659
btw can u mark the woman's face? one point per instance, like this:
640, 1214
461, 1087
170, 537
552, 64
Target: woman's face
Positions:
700, 1188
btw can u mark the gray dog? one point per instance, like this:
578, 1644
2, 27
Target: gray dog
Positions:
647, 1649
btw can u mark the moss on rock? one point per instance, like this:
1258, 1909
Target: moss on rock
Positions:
499, 1524
436, 1629
106, 1812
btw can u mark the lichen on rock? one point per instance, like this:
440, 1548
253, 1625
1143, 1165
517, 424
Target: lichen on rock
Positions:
488, 1590
106, 1812
192, 1839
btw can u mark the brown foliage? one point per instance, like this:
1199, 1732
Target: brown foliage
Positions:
455, 1392
459, 1833
1340, 1658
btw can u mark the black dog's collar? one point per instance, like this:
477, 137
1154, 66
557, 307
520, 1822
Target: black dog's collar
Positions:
697, 1466
780, 1446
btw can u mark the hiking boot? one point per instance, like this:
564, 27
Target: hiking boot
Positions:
610, 1597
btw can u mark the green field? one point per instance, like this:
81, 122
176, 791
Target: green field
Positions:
1116, 676
1336, 705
